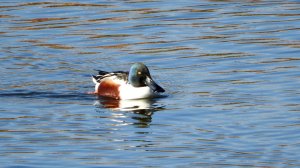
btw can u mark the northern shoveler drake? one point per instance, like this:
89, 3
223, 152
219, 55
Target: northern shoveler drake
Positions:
135, 84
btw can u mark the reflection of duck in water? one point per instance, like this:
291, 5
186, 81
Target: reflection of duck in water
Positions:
142, 109
127, 105
135, 84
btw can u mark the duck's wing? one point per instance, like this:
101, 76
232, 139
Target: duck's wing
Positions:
121, 75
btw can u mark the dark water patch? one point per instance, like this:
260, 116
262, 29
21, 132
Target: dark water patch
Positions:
74, 4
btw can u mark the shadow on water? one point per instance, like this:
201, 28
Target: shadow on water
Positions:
41, 95
140, 111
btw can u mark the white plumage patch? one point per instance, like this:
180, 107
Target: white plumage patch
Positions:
127, 91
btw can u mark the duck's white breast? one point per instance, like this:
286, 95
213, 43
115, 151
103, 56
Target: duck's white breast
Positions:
127, 91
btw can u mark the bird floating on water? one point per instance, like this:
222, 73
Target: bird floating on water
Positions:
135, 84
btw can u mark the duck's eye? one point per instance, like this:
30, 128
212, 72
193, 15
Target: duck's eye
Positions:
139, 72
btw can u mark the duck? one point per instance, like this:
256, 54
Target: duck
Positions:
122, 85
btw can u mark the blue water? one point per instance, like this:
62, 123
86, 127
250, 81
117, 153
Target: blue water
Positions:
230, 69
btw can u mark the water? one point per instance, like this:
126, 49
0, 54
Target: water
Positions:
230, 68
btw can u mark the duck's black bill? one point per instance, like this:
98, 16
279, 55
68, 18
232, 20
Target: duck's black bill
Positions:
154, 86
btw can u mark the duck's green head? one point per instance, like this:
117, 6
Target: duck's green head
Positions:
139, 76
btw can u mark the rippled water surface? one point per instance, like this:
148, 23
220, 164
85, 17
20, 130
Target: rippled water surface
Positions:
231, 70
